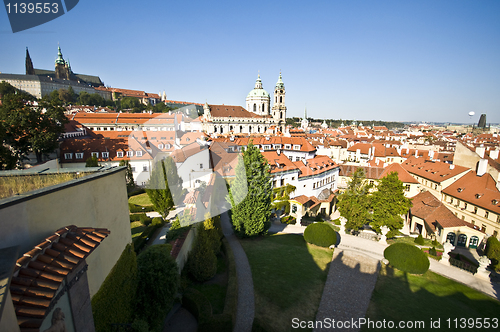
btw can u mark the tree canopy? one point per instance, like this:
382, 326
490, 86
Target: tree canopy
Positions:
251, 194
354, 202
28, 125
389, 204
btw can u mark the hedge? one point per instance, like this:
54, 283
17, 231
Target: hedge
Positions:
134, 208
289, 220
136, 192
114, 301
320, 234
407, 257
141, 240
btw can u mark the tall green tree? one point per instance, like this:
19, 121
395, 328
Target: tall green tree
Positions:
29, 126
165, 186
389, 204
251, 194
354, 202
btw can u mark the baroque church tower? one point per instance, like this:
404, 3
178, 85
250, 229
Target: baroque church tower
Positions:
279, 108
258, 100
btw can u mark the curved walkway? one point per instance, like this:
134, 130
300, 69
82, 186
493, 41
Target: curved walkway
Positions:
245, 310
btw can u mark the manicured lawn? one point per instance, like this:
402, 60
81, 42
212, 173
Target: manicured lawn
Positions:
288, 275
407, 239
142, 199
399, 296
137, 228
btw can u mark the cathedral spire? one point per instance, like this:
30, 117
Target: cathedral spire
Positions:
29, 65
60, 59
258, 82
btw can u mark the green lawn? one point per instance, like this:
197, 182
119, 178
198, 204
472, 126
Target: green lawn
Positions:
137, 228
142, 199
400, 296
288, 276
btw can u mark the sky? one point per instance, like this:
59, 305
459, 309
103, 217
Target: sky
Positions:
432, 61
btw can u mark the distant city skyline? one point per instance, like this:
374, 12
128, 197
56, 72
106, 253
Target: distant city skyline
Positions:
366, 60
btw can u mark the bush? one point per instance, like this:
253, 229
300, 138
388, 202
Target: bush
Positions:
114, 301
145, 220
175, 230
136, 192
289, 220
133, 208
435, 243
136, 217
318, 218
432, 251
213, 234
158, 221
159, 281
419, 240
202, 262
320, 234
493, 252
141, 240
407, 257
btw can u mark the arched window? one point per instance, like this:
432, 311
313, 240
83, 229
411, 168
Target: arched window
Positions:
276, 99
281, 115
450, 237
230, 128
215, 129
249, 129
241, 129
474, 241
221, 129
281, 99
254, 108
462, 240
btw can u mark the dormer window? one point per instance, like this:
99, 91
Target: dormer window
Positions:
95, 154
119, 154
138, 153
68, 156
79, 155
105, 155
494, 202
296, 147
288, 146
478, 196
460, 190
130, 154
160, 146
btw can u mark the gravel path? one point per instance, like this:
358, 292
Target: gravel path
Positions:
245, 310
348, 289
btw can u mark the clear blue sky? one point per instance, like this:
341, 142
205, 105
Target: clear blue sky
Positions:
383, 60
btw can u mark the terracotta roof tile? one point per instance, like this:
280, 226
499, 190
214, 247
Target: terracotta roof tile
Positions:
41, 271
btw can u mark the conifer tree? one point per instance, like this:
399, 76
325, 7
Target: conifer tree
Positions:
389, 204
251, 194
165, 186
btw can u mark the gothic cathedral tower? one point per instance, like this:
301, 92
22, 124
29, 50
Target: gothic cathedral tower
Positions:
279, 108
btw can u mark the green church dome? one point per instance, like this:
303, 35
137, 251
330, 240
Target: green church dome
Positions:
258, 91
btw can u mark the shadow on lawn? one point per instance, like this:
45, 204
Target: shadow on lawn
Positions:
403, 297
288, 276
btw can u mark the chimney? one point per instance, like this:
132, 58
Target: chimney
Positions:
416, 153
452, 166
480, 151
494, 154
278, 152
482, 167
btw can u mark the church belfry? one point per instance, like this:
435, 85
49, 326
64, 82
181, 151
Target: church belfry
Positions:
29, 65
62, 69
279, 108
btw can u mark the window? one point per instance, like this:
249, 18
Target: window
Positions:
138, 153
105, 155
68, 156
475, 209
119, 154
407, 187
133, 168
486, 214
79, 155
201, 166
498, 218
483, 227
294, 208
288, 146
465, 206
160, 146
145, 168
296, 147
451, 201
130, 153
95, 154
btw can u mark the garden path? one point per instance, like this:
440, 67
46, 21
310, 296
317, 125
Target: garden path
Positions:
348, 290
245, 310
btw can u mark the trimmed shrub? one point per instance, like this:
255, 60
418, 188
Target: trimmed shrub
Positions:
141, 240
202, 262
419, 240
136, 192
289, 220
159, 281
493, 252
318, 218
135, 217
145, 220
432, 251
176, 230
158, 221
320, 234
435, 243
213, 233
114, 301
407, 258
133, 208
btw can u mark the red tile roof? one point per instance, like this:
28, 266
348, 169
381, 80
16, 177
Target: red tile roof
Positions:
403, 175
40, 272
315, 166
224, 111
432, 170
476, 190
